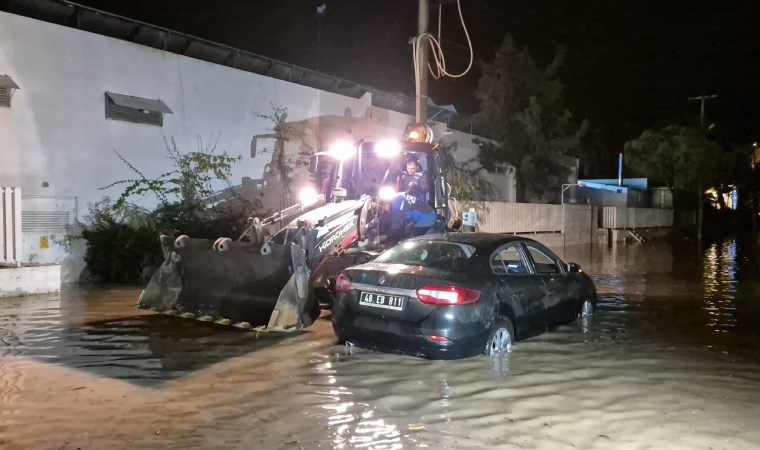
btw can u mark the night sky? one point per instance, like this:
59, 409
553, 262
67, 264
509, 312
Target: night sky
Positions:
630, 64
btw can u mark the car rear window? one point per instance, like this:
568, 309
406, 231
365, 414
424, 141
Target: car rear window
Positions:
451, 256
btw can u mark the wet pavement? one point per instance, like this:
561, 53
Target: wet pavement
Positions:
670, 360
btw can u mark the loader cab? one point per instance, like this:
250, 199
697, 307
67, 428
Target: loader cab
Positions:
369, 171
377, 169
382, 177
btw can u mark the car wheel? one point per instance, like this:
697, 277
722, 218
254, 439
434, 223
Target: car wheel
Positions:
587, 309
585, 315
500, 339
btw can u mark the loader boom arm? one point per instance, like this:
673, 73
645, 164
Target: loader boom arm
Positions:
255, 225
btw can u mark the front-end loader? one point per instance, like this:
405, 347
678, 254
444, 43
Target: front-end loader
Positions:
277, 283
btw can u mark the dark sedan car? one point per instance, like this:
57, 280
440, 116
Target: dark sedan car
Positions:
458, 295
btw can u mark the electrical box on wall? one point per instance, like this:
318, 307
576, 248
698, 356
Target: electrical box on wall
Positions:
469, 220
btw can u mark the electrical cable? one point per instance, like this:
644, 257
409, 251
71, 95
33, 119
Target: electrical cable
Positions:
437, 53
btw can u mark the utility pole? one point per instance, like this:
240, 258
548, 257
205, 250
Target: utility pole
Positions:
700, 188
422, 61
702, 99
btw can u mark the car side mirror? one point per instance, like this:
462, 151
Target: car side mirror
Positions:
573, 267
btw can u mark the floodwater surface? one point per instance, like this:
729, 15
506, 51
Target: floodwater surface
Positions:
670, 360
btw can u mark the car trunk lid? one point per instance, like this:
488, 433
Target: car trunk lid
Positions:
389, 290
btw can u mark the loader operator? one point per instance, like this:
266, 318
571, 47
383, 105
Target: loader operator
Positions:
411, 177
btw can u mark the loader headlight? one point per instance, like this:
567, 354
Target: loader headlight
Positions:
342, 150
386, 193
308, 196
387, 149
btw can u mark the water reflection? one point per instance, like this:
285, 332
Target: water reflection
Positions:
720, 285
95, 330
353, 424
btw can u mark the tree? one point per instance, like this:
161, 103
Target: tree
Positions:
681, 158
522, 112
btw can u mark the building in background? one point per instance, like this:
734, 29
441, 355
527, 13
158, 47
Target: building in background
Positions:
79, 84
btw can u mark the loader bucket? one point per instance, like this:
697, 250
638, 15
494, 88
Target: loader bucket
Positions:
229, 282
291, 302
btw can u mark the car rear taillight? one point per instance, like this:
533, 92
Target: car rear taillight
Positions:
343, 283
434, 294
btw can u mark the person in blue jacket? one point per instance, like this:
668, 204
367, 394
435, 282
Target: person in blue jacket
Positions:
413, 178
417, 213
408, 216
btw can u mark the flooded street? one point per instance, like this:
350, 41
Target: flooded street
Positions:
670, 360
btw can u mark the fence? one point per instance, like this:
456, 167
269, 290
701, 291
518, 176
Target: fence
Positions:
501, 217
10, 225
615, 217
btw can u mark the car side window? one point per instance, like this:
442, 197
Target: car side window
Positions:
543, 262
507, 261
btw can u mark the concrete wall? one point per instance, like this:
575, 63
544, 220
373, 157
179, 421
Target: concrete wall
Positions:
615, 217
579, 224
29, 280
502, 182
500, 217
568, 224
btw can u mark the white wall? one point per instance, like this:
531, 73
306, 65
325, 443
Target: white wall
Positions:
503, 182
56, 133
29, 280
56, 130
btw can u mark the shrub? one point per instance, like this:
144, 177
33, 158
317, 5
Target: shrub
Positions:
123, 239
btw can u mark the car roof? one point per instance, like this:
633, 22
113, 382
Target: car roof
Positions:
477, 239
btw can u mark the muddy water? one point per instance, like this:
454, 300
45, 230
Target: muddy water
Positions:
671, 360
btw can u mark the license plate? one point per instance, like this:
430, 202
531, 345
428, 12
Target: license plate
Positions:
395, 302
